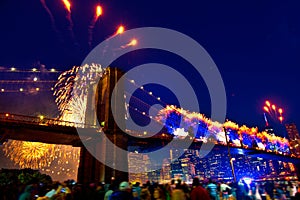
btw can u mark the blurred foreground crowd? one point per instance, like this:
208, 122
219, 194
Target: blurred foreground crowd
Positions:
175, 190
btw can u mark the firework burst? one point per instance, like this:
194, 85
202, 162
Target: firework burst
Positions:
64, 87
72, 89
274, 112
53, 159
33, 155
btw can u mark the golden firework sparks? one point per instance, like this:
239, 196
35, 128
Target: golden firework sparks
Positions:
47, 157
98, 11
33, 155
67, 5
71, 91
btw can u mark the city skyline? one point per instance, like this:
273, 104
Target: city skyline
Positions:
214, 166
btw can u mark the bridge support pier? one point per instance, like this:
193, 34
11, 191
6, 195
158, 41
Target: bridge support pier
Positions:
116, 159
92, 170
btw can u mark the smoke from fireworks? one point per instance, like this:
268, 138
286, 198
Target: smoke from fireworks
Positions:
97, 14
67, 5
50, 16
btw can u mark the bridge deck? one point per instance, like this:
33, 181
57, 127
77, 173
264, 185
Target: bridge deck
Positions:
53, 131
35, 129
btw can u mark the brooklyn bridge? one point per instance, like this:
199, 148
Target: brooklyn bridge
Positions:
234, 140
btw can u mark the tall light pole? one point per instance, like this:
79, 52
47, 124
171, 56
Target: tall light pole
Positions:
229, 155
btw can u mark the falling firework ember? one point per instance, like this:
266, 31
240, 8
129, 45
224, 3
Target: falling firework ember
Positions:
67, 5
133, 42
98, 11
50, 15
120, 30
65, 164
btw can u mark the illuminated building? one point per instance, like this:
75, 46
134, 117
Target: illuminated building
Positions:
185, 164
294, 138
138, 163
165, 174
176, 169
292, 131
154, 176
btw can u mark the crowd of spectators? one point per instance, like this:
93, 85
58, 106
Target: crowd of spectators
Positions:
174, 190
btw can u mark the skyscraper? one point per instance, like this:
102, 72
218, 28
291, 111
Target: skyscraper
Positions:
294, 138
139, 165
292, 131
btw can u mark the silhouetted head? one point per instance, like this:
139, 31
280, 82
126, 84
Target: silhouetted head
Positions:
196, 182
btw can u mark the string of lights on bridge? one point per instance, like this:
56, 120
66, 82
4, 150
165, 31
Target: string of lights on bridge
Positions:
33, 70
30, 84
52, 82
36, 80
149, 93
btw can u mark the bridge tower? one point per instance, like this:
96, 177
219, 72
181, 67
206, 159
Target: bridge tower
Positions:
90, 169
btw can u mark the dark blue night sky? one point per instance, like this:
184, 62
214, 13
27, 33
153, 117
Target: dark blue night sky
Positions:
255, 44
